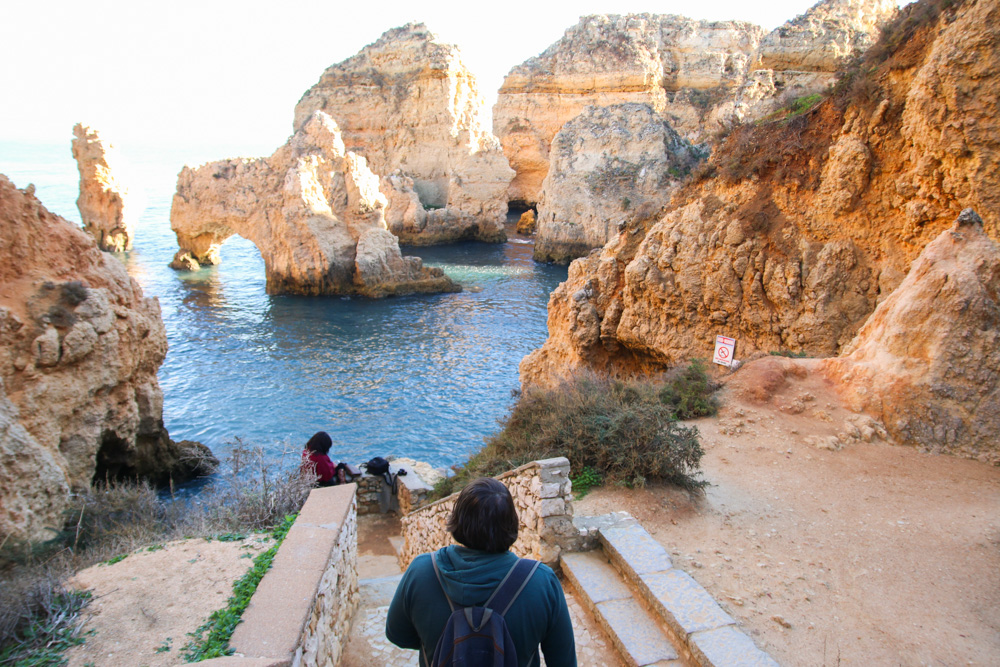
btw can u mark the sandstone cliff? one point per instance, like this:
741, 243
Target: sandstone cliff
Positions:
605, 163
103, 198
79, 351
682, 68
313, 209
409, 105
799, 228
927, 362
802, 57
700, 76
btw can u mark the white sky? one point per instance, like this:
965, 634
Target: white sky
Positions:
228, 73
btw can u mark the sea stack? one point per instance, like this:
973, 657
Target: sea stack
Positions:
408, 104
103, 200
313, 209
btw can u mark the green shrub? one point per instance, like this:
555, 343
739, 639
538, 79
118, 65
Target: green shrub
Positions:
625, 431
585, 480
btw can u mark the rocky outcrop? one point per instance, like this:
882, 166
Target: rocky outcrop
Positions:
927, 362
802, 57
684, 69
79, 351
806, 225
701, 76
606, 163
313, 209
103, 200
409, 105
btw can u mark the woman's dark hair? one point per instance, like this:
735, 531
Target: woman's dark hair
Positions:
484, 517
320, 442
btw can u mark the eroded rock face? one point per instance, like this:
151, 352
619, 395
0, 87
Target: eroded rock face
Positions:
79, 350
606, 163
307, 208
103, 200
409, 105
795, 251
701, 76
927, 362
803, 56
686, 70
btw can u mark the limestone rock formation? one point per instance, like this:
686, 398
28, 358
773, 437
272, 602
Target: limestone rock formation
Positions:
604, 164
927, 362
804, 227
79, 350
802, 56
103, 200
527, 223
686, 70
311, 208
700, 76
409, 105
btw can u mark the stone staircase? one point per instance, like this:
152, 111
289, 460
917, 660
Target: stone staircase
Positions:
653, 613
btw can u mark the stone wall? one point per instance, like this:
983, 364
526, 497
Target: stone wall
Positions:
302, 610
542, 494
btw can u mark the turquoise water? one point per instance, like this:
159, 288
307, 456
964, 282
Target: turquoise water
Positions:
420, 376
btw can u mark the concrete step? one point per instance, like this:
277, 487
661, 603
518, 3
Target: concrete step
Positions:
632, 629
699, 629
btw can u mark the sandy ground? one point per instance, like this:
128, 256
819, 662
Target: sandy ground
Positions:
870, 555
144, 606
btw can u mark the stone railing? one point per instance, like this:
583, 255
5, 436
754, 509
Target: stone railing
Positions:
543, 497
300, 614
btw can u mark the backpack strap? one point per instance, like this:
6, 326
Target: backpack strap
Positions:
512, 585
437, 573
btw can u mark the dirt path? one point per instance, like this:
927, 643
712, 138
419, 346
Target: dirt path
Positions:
145, 604
870, 555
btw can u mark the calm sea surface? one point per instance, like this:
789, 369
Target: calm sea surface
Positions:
422, 376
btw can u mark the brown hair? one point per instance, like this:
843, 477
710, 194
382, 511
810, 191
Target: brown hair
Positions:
484, 517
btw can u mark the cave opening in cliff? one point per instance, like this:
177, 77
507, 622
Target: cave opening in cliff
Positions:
519, 206
115, 460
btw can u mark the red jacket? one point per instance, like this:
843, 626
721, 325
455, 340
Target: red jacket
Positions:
325, 470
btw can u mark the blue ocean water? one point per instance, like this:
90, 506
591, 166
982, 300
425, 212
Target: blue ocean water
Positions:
421, 376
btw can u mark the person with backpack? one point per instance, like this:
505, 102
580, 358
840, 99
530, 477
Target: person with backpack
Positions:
485, 605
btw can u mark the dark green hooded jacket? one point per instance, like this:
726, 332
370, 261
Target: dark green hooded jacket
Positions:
538, 616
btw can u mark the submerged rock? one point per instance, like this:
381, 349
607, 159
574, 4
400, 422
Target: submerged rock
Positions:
409, 105
79, 351
307, 208
606, 163
927, 362
103, 200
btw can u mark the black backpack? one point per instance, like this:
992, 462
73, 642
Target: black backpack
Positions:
379, 466
478, 636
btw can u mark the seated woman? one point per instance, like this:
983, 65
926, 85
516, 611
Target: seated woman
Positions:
315, 457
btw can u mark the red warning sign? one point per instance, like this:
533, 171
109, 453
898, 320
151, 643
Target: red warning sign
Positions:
724, 348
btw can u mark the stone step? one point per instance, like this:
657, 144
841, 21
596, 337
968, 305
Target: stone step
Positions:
632, 629
701, 631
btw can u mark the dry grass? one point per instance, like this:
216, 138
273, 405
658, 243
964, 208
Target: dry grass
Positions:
252, 492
